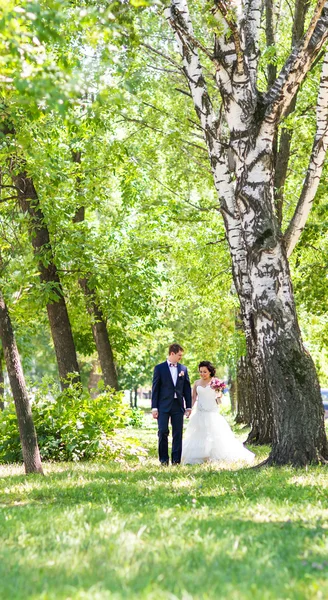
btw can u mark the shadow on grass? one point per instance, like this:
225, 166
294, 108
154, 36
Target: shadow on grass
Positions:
159, 488
148, 533
213, 559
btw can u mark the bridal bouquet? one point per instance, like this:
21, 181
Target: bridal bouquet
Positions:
217, 385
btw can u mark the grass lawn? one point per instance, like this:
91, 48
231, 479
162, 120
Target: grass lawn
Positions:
101, 531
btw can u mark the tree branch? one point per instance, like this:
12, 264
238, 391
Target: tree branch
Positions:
162, 55
148, 126
168, 114
219, 162
253, 13
219, 241
298, 64
270, 39
283, 154
166, 187
191, 38
226, 12
11, 187
317, 159
301, 8
316, 16
179, 20
183, 92
8, 198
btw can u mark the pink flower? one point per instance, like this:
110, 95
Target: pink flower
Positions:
218, 384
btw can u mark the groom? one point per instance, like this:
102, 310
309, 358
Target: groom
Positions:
171, 392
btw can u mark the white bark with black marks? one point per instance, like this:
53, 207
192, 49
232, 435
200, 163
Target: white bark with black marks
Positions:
283, 372
316, 164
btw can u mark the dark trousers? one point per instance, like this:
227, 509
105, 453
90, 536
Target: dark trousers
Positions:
176, 416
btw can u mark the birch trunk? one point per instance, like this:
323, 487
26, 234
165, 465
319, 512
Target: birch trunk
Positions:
285, 367
30, 449
282, 371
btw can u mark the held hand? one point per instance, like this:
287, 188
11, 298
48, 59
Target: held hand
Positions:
188, 412
219, 397
154, 412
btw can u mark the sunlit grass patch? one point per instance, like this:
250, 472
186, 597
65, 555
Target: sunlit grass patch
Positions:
121, 530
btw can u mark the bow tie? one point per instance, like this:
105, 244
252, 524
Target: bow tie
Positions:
173, 365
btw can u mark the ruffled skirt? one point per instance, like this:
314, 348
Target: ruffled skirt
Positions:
209, 438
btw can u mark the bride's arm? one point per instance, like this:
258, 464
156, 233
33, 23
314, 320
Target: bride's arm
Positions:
219, 397
194, 393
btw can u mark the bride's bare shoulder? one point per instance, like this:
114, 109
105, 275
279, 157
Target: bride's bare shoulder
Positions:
197, 382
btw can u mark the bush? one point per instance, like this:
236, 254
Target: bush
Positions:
10, 446
69, 424
136, 418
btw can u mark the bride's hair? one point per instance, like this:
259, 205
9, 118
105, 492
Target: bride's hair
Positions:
208, 365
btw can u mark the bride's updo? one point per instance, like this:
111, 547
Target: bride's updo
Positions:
208, 365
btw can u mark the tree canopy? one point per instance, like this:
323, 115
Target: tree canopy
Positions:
97, 112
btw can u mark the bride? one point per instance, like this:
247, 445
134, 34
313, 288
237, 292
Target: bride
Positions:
208, 436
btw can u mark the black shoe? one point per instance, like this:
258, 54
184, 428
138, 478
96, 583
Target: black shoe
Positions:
175, 463
164, 463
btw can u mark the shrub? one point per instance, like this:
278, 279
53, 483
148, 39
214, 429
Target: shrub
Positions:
136, 418
10, 446
70, 425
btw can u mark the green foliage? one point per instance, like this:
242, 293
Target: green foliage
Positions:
10, 449
137, 418
78, 77
70, 425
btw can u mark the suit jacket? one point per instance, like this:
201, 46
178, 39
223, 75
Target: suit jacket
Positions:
164, 390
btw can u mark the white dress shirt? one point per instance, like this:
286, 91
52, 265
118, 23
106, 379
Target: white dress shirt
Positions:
174, 374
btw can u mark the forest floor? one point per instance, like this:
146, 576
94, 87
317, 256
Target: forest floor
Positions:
133, 530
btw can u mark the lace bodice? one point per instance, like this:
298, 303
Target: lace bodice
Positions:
206, 399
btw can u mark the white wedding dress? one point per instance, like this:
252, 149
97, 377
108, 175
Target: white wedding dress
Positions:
208, 436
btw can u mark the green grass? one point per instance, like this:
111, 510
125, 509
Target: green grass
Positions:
135, 530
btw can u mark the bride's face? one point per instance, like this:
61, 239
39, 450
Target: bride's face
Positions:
204, 373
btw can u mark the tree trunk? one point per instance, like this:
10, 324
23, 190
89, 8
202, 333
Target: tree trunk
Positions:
279, 360
286, 380
245, 392
98, 322
259, 407
135, 397
283, 154
31, 455
254, 404
283, 373
94, 378
57, 310
2, 381
100, 336
233, 395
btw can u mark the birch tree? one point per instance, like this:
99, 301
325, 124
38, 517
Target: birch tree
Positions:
241, 139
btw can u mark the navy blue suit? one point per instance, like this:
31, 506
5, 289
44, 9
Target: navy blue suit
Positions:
169, 406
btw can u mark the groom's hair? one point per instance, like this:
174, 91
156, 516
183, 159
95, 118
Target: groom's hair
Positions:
175, 348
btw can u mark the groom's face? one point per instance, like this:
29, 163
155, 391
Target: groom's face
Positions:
175, 357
